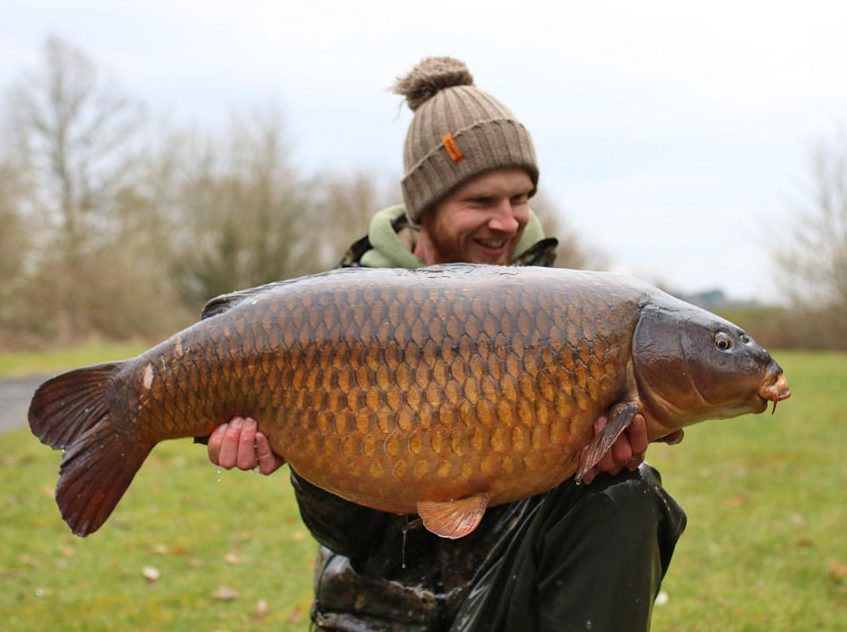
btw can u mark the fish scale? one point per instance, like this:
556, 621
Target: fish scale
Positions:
439, 391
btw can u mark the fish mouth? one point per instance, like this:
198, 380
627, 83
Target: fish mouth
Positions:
775, 390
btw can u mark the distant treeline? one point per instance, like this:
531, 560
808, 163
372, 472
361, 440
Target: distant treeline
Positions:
115, 226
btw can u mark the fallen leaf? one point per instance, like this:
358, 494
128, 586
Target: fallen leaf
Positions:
159, 549
29, 560
296, 536
804, 544
296, 615
67, 551
223, 593
232, 558
47, 491
262, 609
151, 574
738, 500
837, 570
797, 520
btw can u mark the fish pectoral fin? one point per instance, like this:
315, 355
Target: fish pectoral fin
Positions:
453, 518
620, 417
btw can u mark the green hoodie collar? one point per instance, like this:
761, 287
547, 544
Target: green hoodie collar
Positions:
390, 251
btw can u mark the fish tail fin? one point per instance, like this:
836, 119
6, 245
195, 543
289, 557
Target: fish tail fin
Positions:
69, 405
96, 471
70, 412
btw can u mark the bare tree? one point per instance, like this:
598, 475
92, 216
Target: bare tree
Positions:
77, 135
812, 264
14, 241
242, 215
14, 236
572, 251
346, 204
78, 132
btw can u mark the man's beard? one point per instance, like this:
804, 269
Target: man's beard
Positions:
447, 248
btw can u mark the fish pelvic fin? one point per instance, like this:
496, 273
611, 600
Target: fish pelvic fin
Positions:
96, 470
69, 405
70, 412
453, 519
620, 416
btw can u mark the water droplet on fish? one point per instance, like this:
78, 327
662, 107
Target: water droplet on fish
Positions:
588, 624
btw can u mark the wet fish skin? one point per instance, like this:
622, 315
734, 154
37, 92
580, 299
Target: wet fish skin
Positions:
387, 387
406, 387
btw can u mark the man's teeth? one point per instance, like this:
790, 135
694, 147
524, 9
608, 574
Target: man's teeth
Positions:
492, 243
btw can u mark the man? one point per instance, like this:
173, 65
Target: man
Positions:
574, 558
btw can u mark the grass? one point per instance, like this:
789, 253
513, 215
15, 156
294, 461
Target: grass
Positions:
764, 549
22, 364
765, 497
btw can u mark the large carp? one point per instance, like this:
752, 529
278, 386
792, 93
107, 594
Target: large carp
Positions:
439, 391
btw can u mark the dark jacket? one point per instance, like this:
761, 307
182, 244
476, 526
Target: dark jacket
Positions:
528, 565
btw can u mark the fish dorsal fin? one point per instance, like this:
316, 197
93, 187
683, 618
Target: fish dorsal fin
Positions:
453, 518
224, 302
620, 416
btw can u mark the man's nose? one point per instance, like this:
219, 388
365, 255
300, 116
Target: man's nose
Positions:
503, 219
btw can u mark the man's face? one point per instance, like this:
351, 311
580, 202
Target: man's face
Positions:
480, 222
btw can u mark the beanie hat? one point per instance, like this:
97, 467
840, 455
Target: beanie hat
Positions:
457, 132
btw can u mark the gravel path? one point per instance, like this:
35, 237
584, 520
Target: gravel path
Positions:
14, 401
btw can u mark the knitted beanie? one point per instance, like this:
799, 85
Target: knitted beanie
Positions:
457, 132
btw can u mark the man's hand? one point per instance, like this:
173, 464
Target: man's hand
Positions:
629, 448
238, 444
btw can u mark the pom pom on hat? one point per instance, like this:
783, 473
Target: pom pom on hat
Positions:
429, 77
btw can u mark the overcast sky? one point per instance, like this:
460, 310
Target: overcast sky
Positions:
676, 136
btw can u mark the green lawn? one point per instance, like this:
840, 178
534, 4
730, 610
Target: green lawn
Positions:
47, 362
765, 547
766, 498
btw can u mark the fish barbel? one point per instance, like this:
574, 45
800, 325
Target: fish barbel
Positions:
440, 391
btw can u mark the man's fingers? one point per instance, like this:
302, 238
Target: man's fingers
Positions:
621, 451
637, 433
229, 445
268, 461
246, 458
600, 424
215, 441
606, 464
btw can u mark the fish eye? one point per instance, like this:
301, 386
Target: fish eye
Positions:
723, 341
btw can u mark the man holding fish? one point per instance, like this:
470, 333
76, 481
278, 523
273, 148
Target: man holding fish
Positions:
574, 558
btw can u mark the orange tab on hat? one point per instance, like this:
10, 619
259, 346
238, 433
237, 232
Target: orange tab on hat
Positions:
452, 148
